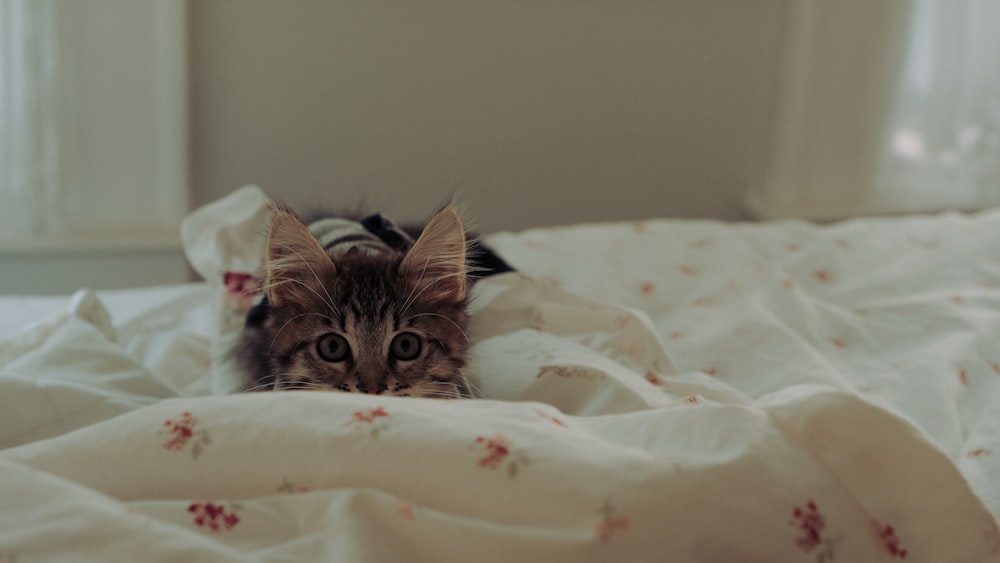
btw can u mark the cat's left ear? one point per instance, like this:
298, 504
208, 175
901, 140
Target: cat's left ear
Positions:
436, 262
296, 263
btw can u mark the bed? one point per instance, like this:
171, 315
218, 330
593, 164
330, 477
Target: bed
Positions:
664, 390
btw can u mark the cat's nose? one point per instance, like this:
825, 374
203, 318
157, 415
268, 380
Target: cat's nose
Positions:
372, 391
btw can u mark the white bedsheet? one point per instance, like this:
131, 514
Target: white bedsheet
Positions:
666, 390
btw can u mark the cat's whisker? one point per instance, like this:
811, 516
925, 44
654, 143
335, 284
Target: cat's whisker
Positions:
419, 287
282, 264
328, 301
474, 389
428, 314
408, 302
466, 387
289, 321
261, 387
424, 287
300, 384
297, 387
440, 389
438, 395
270, 285
410, 299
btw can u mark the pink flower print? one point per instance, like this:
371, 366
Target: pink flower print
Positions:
554, 420
369, 416
611, 522
241, 290
648, 288
498, 453
963, 377
568, 372
702, 243
214, 517
810, 524
688, 270
496, 448
639, 227
652, 377
182, 431
840, 343
405, 510
692, 400
823, 275
889, 539
978, 452
372, 419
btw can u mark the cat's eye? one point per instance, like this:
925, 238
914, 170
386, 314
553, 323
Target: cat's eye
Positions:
333, 348
405, 346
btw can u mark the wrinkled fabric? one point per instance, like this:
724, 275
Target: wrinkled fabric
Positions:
664, 390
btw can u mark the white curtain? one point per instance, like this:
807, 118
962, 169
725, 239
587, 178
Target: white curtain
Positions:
884, 107
29, 109
92, 123
942, 142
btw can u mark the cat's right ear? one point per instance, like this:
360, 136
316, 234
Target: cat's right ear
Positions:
296, 263
436, 262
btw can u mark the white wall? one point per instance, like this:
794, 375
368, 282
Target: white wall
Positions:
53, 272
541, 112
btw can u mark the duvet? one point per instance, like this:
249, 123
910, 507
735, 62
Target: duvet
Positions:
661, 390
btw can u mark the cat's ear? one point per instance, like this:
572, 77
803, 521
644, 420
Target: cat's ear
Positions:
296, 263
436, 262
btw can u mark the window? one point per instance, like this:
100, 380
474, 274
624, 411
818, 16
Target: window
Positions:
885, 107
93, 158
92, 122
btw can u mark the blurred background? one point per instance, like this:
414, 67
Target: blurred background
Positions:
117, 117
538, 112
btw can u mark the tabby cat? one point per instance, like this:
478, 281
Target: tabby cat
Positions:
360, 306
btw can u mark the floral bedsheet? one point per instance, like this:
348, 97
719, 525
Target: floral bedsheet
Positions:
659, 391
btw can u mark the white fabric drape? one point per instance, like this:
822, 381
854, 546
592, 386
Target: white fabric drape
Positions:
942, 146
884, 107
29, 109
92, 123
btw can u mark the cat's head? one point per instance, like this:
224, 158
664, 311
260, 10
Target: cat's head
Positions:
391, 322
